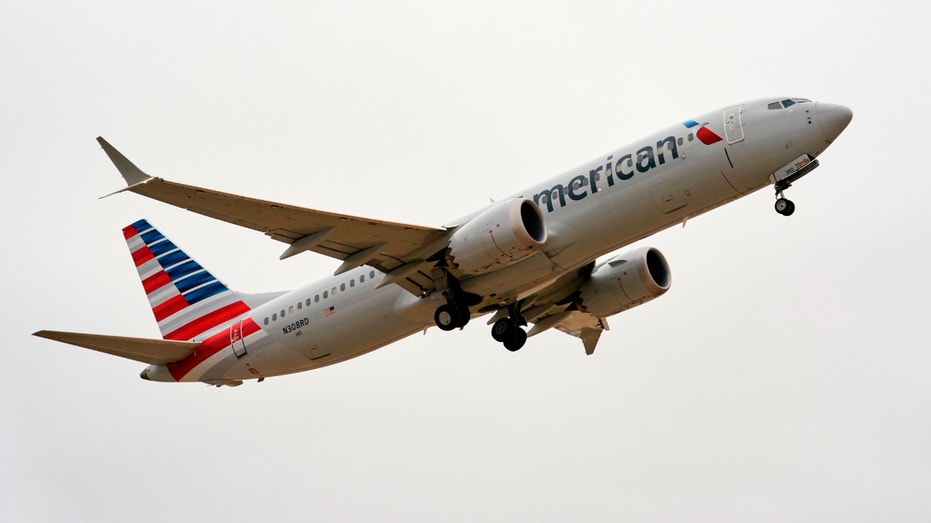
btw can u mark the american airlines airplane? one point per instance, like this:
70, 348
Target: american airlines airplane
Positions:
527, 260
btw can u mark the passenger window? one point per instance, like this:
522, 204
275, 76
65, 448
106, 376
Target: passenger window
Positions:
680, 140
282, 313
361, 278
291, 309
299, 305
266, 320
316, 298
352, 282
333, 291
372, 274
275, 317
325, 294
307, 302
342, 286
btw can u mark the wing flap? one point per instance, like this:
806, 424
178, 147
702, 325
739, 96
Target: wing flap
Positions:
587, 327
155, 352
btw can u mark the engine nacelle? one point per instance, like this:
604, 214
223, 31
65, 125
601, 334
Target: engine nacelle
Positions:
626, 281
505, 233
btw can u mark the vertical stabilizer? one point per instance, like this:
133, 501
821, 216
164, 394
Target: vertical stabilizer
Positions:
186, 299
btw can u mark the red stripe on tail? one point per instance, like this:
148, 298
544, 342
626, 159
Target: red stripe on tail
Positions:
169, 307
208, 321
208, 348
155, 282
142, 255
128, 232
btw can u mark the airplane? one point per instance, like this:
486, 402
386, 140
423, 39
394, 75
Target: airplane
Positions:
528, 260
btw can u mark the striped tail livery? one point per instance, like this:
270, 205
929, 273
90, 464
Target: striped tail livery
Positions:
186, 299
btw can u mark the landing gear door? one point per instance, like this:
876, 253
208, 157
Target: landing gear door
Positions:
733, 127
237, 341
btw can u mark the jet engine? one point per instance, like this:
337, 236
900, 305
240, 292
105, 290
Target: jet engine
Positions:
625, 281
505, 233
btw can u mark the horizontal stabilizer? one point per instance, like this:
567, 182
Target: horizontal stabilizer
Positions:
155, 352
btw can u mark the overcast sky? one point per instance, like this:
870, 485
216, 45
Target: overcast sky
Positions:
785, 377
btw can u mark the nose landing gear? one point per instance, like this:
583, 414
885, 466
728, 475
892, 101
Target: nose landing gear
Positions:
784, 206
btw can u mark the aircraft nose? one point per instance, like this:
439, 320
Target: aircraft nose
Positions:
834, 119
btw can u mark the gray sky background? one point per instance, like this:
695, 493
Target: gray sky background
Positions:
783, 378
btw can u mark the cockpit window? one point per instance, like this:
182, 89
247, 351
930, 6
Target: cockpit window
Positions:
788, 102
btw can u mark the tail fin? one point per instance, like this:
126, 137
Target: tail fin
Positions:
186, 300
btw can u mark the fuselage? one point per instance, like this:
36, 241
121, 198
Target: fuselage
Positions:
619, 198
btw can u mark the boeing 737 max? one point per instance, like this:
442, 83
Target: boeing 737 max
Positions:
527, 260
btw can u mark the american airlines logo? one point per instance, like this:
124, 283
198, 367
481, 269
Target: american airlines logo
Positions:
706, 135
643, 160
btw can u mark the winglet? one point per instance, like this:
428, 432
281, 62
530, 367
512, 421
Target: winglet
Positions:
132, 174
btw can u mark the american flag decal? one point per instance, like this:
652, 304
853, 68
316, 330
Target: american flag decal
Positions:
329, 311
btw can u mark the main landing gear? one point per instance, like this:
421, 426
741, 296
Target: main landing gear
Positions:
451, 316
455, 313
784, 206
509, 330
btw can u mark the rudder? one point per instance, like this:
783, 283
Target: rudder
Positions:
186, 299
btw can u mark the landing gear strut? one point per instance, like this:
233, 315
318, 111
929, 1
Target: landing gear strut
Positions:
508, 330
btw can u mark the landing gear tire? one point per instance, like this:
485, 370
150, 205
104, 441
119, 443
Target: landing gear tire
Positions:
515, 338
464, 316
785, 207
499, 330
446, 317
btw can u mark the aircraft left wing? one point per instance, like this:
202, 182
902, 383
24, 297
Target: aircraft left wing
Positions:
396, 249
154, 352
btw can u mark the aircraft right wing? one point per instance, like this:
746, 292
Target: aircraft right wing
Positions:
398, 250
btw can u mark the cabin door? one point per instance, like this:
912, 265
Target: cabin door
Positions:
237, 340
733, 127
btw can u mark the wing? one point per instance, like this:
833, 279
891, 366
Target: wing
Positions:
397, 249
155, 352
